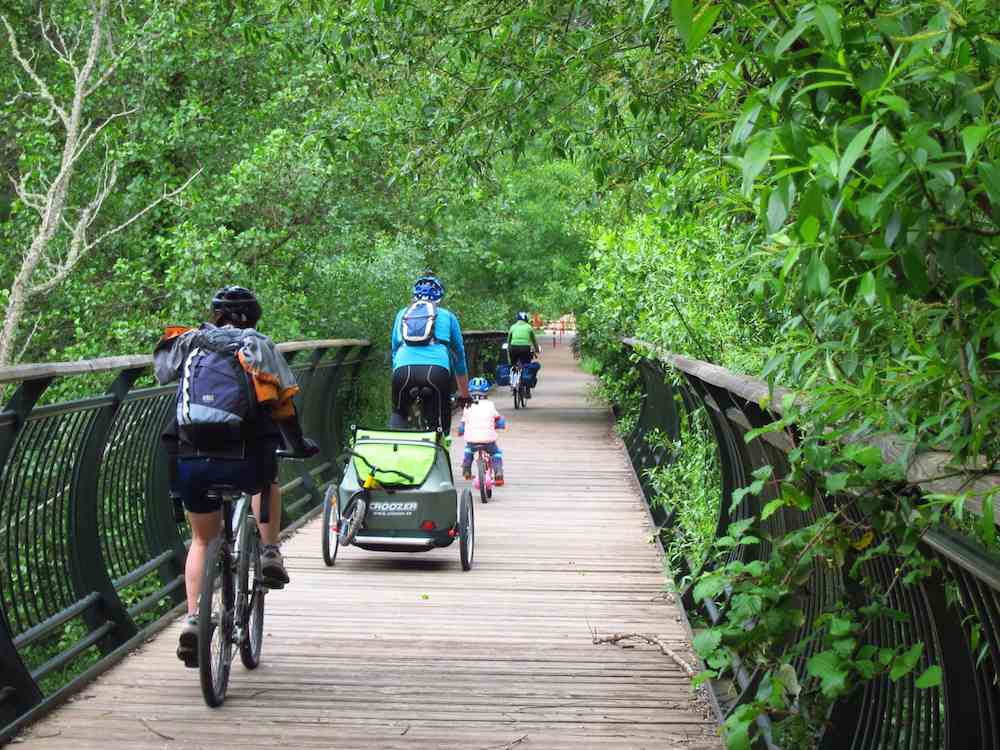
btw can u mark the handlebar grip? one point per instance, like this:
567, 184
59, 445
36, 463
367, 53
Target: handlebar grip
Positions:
403, 474
350, 453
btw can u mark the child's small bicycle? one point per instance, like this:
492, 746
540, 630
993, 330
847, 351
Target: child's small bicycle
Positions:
483, 481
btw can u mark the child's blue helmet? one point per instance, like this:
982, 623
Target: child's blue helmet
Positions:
479, 387
428, 287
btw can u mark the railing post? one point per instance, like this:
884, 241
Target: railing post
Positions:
331, 431
88, 568
352, 380
18, 690
308, 401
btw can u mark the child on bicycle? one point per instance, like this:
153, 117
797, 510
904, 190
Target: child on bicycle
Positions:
479, 426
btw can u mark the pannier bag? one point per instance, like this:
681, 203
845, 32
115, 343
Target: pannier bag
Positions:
529, 374
215, 399
417, 324
503, 374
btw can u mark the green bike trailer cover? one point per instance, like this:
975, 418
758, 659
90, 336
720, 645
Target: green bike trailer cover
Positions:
404, 450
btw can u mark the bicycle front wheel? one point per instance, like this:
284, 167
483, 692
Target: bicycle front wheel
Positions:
353, 517
250, 596
215, 624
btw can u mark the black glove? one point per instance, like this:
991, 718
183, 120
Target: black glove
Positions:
297, 443
309, 448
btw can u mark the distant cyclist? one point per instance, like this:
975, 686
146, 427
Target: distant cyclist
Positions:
427, 351
234, 407
521, 341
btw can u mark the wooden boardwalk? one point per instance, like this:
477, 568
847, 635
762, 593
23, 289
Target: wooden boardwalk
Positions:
407, 651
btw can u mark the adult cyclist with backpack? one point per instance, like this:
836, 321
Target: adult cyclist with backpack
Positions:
521, 342
427, 351
234, 410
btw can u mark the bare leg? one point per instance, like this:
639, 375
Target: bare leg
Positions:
269, 531
204, 528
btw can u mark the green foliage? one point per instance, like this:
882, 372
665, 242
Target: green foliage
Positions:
688, 485
307, 193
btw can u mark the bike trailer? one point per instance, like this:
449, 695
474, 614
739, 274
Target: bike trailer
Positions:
529, 374
404, 515
503, 374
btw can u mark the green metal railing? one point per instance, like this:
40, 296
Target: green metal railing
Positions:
90, 554
964, 711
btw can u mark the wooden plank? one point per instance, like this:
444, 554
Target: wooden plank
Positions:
409, 651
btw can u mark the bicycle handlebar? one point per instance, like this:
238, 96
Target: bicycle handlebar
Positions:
375, 470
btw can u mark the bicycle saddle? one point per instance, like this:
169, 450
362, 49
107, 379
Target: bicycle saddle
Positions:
422, 392
223, 488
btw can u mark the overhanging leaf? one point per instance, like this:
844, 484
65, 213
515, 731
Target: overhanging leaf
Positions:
853, 152
866, 289
930, 678
706, 642
829, 669
904, 663
754, 160
703, 23
972, 136
779, 203
828, 20
683, 13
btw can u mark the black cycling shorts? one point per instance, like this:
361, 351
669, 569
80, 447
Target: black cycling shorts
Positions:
434, 377
519, 354
197, 474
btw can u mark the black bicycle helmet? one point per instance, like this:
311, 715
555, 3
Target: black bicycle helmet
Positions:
237, 305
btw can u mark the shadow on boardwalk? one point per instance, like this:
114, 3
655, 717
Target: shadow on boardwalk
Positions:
407, 651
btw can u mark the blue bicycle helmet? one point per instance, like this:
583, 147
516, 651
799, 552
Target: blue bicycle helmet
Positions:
479, 387
428, 287
522, 316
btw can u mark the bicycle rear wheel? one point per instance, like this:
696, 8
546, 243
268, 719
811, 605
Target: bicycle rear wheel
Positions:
466, 530
215, 624
331, 526
481, 471
250, 596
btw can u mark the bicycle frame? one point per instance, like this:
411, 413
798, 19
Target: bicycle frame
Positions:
235, 527
417, 418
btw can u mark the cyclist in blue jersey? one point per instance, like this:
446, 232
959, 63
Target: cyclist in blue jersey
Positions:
427, 352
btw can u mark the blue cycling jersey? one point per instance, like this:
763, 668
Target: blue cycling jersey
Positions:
448, 352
